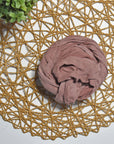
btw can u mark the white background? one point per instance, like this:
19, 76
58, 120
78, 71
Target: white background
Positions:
9, 135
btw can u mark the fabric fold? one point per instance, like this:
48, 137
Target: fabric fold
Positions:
72, 69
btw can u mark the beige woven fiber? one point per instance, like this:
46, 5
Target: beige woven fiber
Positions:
29, 107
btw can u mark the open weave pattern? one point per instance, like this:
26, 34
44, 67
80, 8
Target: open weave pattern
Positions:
30, 107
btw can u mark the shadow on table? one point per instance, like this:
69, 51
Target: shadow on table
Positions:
5, 26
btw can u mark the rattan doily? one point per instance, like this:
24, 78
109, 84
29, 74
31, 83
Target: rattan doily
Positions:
30, 107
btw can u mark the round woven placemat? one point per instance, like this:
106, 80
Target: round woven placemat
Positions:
29, 107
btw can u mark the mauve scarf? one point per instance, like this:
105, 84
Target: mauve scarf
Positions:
72, 69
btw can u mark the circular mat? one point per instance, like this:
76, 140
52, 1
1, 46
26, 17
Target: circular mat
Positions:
23, 100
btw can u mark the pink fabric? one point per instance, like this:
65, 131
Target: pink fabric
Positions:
72, 69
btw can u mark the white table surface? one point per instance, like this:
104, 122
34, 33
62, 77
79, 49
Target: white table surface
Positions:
9, 135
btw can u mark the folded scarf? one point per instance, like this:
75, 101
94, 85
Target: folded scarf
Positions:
72, 69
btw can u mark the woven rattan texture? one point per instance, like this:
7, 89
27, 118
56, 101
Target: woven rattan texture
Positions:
29, 107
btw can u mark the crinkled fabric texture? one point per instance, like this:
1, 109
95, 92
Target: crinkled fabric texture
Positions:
72, 69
